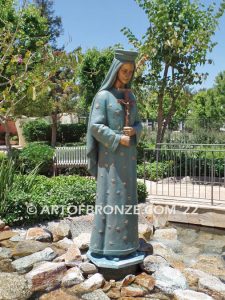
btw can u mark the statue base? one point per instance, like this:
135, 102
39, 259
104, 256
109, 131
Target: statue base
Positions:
110, 265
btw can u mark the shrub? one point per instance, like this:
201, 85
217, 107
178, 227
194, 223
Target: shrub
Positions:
154, 171
37, 130
36, 155
3, 156
141, 192
34, 198
71, 133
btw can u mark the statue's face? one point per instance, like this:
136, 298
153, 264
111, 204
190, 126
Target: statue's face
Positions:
125, 73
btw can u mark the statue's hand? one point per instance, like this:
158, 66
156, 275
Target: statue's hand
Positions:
125, 140
130, 131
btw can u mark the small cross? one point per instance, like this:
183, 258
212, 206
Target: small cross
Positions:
127, 102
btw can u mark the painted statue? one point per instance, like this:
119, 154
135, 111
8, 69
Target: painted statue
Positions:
113, 132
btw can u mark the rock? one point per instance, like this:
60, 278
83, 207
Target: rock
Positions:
6, 235
24, 264
58, 295
132, 291
7, 244
39, 234
188, 236
64, 243
5, 253
14, 286
145, 231
223, 255
114, 293
2, 224
128, 280
59, 230
27, 248
212, 286
174, 245
144, 246
169, 279
81, 224
96, 281
193, 276
88, 268
72, 276
214, 247
145, 281
82, 241
152, 262
190, 295
6, 265
17, 238
72, 255
47, 276
165, 234
95, 295
212, 264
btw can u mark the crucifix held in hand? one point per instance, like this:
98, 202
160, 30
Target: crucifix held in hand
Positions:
127, 102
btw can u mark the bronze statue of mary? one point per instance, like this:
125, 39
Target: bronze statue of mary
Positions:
113, 132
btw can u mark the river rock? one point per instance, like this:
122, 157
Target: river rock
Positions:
151, 263
59, 230
114, 293
214, 247
5, 253
174, 245
145, 246
64, 243
58, 295
47, 276
190, 295
212, 264
145, 280
28, 247
72, 255
88, 268
128, 280
82, 241
6, 235
169, 279
165, 234
39, 234
6, 265
96, 281
223, 256
193, 276
212, 286
2, 224
145, 231
95, 295
133, 291
24, 264
72, 276
14, 286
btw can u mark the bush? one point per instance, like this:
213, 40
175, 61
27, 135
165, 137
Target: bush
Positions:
3, 156
36, 155
71, 133
34, 198
154, 171
37, 130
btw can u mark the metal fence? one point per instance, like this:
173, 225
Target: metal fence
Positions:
195, 171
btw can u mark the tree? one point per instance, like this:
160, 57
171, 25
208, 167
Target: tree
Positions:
208, 107
93, 68
54, 22
177, 41
23, 71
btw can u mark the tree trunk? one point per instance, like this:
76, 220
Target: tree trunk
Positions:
7, 136
54, 129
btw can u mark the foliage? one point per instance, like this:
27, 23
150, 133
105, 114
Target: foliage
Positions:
54, 22
42, 194
38, 156
142, 193
3, 156
93, 68
37, 130
177, 41
71, 132
155, 170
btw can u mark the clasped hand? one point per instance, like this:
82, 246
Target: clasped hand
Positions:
128, 132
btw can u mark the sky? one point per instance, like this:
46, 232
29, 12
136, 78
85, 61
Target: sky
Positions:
98, 23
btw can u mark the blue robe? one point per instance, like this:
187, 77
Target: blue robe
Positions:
114, 166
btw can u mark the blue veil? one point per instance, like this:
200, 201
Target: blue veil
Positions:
121, 57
